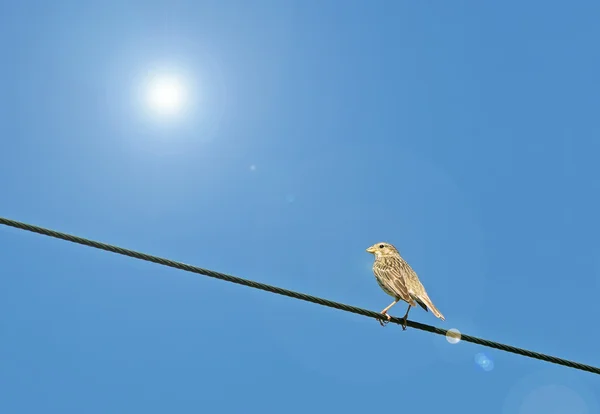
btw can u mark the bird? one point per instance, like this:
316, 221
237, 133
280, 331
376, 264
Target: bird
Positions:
395, 276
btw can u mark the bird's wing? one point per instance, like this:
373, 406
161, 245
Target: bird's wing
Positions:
424, 298
390, 272
417, 291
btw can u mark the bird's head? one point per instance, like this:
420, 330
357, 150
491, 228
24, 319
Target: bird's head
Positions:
382, 249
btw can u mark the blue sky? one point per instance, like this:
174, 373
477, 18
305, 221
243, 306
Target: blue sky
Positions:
465, 133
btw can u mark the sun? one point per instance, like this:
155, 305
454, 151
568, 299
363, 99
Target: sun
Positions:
166, 95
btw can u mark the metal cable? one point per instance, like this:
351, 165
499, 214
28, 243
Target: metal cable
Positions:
292, 294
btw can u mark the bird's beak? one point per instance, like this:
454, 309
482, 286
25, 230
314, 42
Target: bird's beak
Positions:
371, 249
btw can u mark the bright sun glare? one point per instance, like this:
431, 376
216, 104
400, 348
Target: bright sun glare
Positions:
166, 95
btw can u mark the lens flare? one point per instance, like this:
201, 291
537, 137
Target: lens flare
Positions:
484, 362
453, 336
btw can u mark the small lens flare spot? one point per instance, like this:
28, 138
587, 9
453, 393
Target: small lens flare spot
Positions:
253, 167
484, 362
453, 336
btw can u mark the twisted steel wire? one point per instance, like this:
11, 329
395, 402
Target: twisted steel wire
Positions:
292, 294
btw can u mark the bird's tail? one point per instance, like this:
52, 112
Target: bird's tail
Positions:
425, 299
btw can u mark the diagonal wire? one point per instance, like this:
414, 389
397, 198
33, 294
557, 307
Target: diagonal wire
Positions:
292, 294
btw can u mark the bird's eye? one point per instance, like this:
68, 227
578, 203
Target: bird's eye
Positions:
381, 246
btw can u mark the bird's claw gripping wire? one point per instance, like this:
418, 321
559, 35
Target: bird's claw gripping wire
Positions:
382, 322
404, 323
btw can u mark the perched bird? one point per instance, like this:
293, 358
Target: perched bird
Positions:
398, 280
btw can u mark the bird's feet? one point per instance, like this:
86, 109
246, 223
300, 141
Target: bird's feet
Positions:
404, 323
382, 322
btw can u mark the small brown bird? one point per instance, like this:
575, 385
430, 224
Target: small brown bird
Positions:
398, 280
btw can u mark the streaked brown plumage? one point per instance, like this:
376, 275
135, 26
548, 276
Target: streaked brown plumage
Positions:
398, 280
